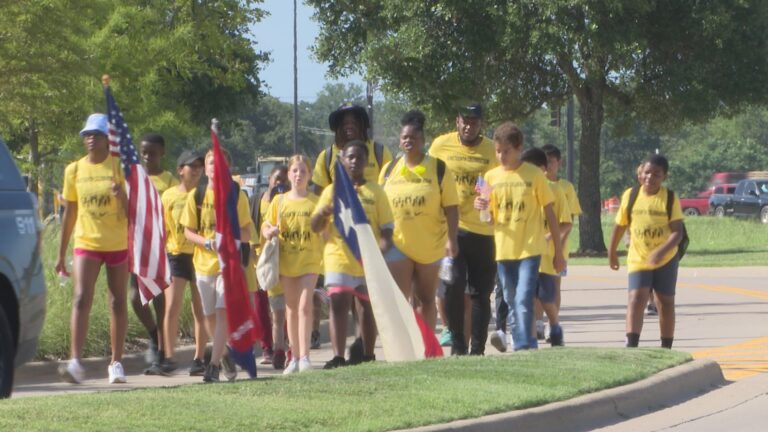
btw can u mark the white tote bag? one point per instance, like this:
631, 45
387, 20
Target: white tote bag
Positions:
268, 266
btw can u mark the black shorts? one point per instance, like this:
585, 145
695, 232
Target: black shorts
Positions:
662, 280
181, 266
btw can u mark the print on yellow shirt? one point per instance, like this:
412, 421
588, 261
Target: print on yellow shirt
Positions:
466, 164
301, 250
102, 223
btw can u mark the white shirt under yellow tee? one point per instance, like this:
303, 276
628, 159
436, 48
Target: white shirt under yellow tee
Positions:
174, 202
563, 215
650, 227
417, 202
301, 250
517, 198
337, 257
163, 181
322, 178
102, 223
207, 261
466, 164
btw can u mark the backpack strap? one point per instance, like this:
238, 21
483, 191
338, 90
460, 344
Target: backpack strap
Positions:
202, 185
632, 198
670, 203
378, 153
390, 167
328, 157
256, 210
440, 172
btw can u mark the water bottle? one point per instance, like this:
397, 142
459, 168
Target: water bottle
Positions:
481, 187
446, 270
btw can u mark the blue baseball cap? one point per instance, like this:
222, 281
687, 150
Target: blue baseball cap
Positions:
95, 123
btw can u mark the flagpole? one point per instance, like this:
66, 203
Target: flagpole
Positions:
105, 80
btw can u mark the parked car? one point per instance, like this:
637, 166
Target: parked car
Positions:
750, 199
699, 205
22, 282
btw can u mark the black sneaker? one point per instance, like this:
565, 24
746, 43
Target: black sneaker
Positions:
152, 354
356, 352
652, 310
168, 365
211, 374
197, 368
230, 370
315, 341
369, 358
556, 336
155, 369
335, 362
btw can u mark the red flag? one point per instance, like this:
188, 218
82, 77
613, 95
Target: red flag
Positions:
243, 331
146, 223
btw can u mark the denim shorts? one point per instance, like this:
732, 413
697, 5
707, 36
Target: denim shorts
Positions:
663, 280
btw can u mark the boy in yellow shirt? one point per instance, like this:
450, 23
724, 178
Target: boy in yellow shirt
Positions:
518, 194
652, 260
200, 229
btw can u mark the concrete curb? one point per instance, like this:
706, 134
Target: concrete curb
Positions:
664, 389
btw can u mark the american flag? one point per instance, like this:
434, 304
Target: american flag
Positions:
146, 224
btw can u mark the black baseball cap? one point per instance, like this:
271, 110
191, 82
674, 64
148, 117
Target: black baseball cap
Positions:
334, 120
472, 110
187, 157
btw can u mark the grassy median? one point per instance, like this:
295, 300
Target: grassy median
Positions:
371, 397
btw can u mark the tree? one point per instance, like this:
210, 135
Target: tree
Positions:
660, 62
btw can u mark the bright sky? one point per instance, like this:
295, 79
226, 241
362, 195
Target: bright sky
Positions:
275, 34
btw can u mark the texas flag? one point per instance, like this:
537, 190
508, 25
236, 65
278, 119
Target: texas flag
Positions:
404, 334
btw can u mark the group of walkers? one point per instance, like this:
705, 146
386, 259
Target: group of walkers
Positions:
454, 221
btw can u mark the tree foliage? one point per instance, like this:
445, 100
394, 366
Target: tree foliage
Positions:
659, 62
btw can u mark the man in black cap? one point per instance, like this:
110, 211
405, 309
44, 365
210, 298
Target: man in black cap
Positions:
469, 155
349, 122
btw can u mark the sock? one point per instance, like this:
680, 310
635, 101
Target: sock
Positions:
633, 339
666, 342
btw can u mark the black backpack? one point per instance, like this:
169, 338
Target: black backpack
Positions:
683, 245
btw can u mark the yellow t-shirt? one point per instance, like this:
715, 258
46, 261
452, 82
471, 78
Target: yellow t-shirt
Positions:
174, 202
337, 257
466, 164
207, 261
570, 195
417, 203
650, 227
102, 224
301, 250
563, 215
516, 202
322, 178
163, 181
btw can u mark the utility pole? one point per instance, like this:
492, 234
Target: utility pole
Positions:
569, 157
369, 97
295, 85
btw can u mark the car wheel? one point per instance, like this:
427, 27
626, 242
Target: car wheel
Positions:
7, 354
764, 215
690, 211
719, 211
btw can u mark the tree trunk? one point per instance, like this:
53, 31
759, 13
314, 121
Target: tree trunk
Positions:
591, 114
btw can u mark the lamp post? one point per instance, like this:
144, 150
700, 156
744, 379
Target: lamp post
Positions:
295, 86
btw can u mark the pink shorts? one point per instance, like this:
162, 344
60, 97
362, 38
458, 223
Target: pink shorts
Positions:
111, 258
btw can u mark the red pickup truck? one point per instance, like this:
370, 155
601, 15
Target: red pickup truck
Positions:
700, 204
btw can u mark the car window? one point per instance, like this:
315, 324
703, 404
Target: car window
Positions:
10, 179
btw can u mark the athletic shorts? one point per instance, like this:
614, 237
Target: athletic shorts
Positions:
211, 289
662, 280
546, 290
394, 254
277, 302
337, 283
110, 258
181, 266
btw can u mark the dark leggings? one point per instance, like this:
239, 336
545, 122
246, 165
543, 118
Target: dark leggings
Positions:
502, 310
154, 328
474, 267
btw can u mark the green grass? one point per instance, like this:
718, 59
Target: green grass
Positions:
715, 242
55, 337
371, 397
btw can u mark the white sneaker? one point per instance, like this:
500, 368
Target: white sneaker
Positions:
116, 373
304, 364
540, 330
293, 367
72, 372
499, 340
